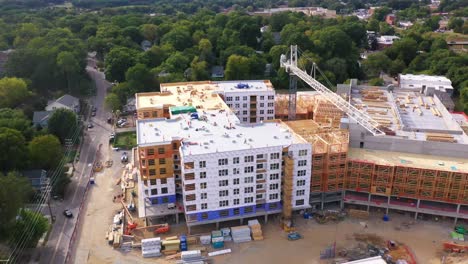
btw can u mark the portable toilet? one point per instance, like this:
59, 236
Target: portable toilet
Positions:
91, 180
183, 243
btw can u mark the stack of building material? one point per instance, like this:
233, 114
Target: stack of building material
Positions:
226, 234
219, 252
205, 240
241, 234
126, 247
217, 239
360, 214
255, 229
191, 256
440, 137
151, 247
171, 246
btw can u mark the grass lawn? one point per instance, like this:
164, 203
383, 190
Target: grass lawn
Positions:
125, 140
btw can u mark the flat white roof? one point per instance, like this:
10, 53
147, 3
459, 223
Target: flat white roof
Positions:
371, 260
425, 78
219, 133
244, 86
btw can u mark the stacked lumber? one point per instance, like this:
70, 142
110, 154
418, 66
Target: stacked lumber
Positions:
171, 246
151, 247
434, 111
431, 101
255, 229
360, 214
440, 137
241, 234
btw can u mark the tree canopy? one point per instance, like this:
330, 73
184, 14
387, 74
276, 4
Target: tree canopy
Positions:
62, 123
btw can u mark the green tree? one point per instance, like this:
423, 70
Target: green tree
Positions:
13, 91
237, 68
117, 62
381, 13
149, 32
13, 146
69, 65
25, 33
198, 70
396, 67
16, 119
37, 223
113, 102
376, 63
63, 124
376, 82
179, 38
140, 78
456, 23
45, 151
15, 191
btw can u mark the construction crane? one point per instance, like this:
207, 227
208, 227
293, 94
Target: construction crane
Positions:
290, 65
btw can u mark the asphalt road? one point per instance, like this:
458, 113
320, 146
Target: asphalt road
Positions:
55, 251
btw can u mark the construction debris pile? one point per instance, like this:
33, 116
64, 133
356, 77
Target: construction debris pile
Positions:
329, 215
241, 234
151, 247
256, 229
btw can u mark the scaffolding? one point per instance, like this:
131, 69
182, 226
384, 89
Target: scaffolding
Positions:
330, 147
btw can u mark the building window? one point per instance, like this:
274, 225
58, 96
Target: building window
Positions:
235, 160
235, 171
202, 164
161, 150
248, 190
164, 190
270, 111
203, 195
163, 181
150, 152
248, 180
162, 161
271, 104
236, 181
229, 105
301, 182
245, 112
262, 112
244, 105
259, 177
244, 98
248, 199
300, 202
236, 191
237, 98
153, 182
274, 176
204, 206
222, 162
248, 169
237, 106
259, 196
274, 166
273, 196
262, 118
271, 97
151, 162
203, 185
223, 172
301, 173
248, 158
229, 98
274, 186
223, 203
259, 186
270, 118
162, 170
223, 183
174, 146
302, 163
262, 105
223, 193
236, 201
154, 191
300, 192
259, 166
262, 97
203, 175
244, 119
274, 156
303, 152
152, 172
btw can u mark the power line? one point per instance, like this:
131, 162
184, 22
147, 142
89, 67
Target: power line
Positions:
27, 232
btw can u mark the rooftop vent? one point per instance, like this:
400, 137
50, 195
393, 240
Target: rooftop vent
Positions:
250, 139
275, 137
211, 141
234, 141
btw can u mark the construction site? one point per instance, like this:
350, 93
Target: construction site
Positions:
365, 174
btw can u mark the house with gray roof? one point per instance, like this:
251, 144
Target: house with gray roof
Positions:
38, 178
67, 101
41, 118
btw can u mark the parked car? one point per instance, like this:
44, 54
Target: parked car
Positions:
93, 114
67, 213
124, 157
115, 149
90, 125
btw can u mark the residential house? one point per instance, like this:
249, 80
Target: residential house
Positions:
217, 72
38, 179
390, 19
41, 118
67, 102
386, 41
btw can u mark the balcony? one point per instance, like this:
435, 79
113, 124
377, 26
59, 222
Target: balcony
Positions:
190, 187
190, 197
189, 165
189, 176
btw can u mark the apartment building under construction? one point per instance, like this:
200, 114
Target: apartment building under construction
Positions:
420, 165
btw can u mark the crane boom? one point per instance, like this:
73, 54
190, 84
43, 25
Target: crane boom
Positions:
363, 119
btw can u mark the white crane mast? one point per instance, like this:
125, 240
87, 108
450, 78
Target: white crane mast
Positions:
361, 118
